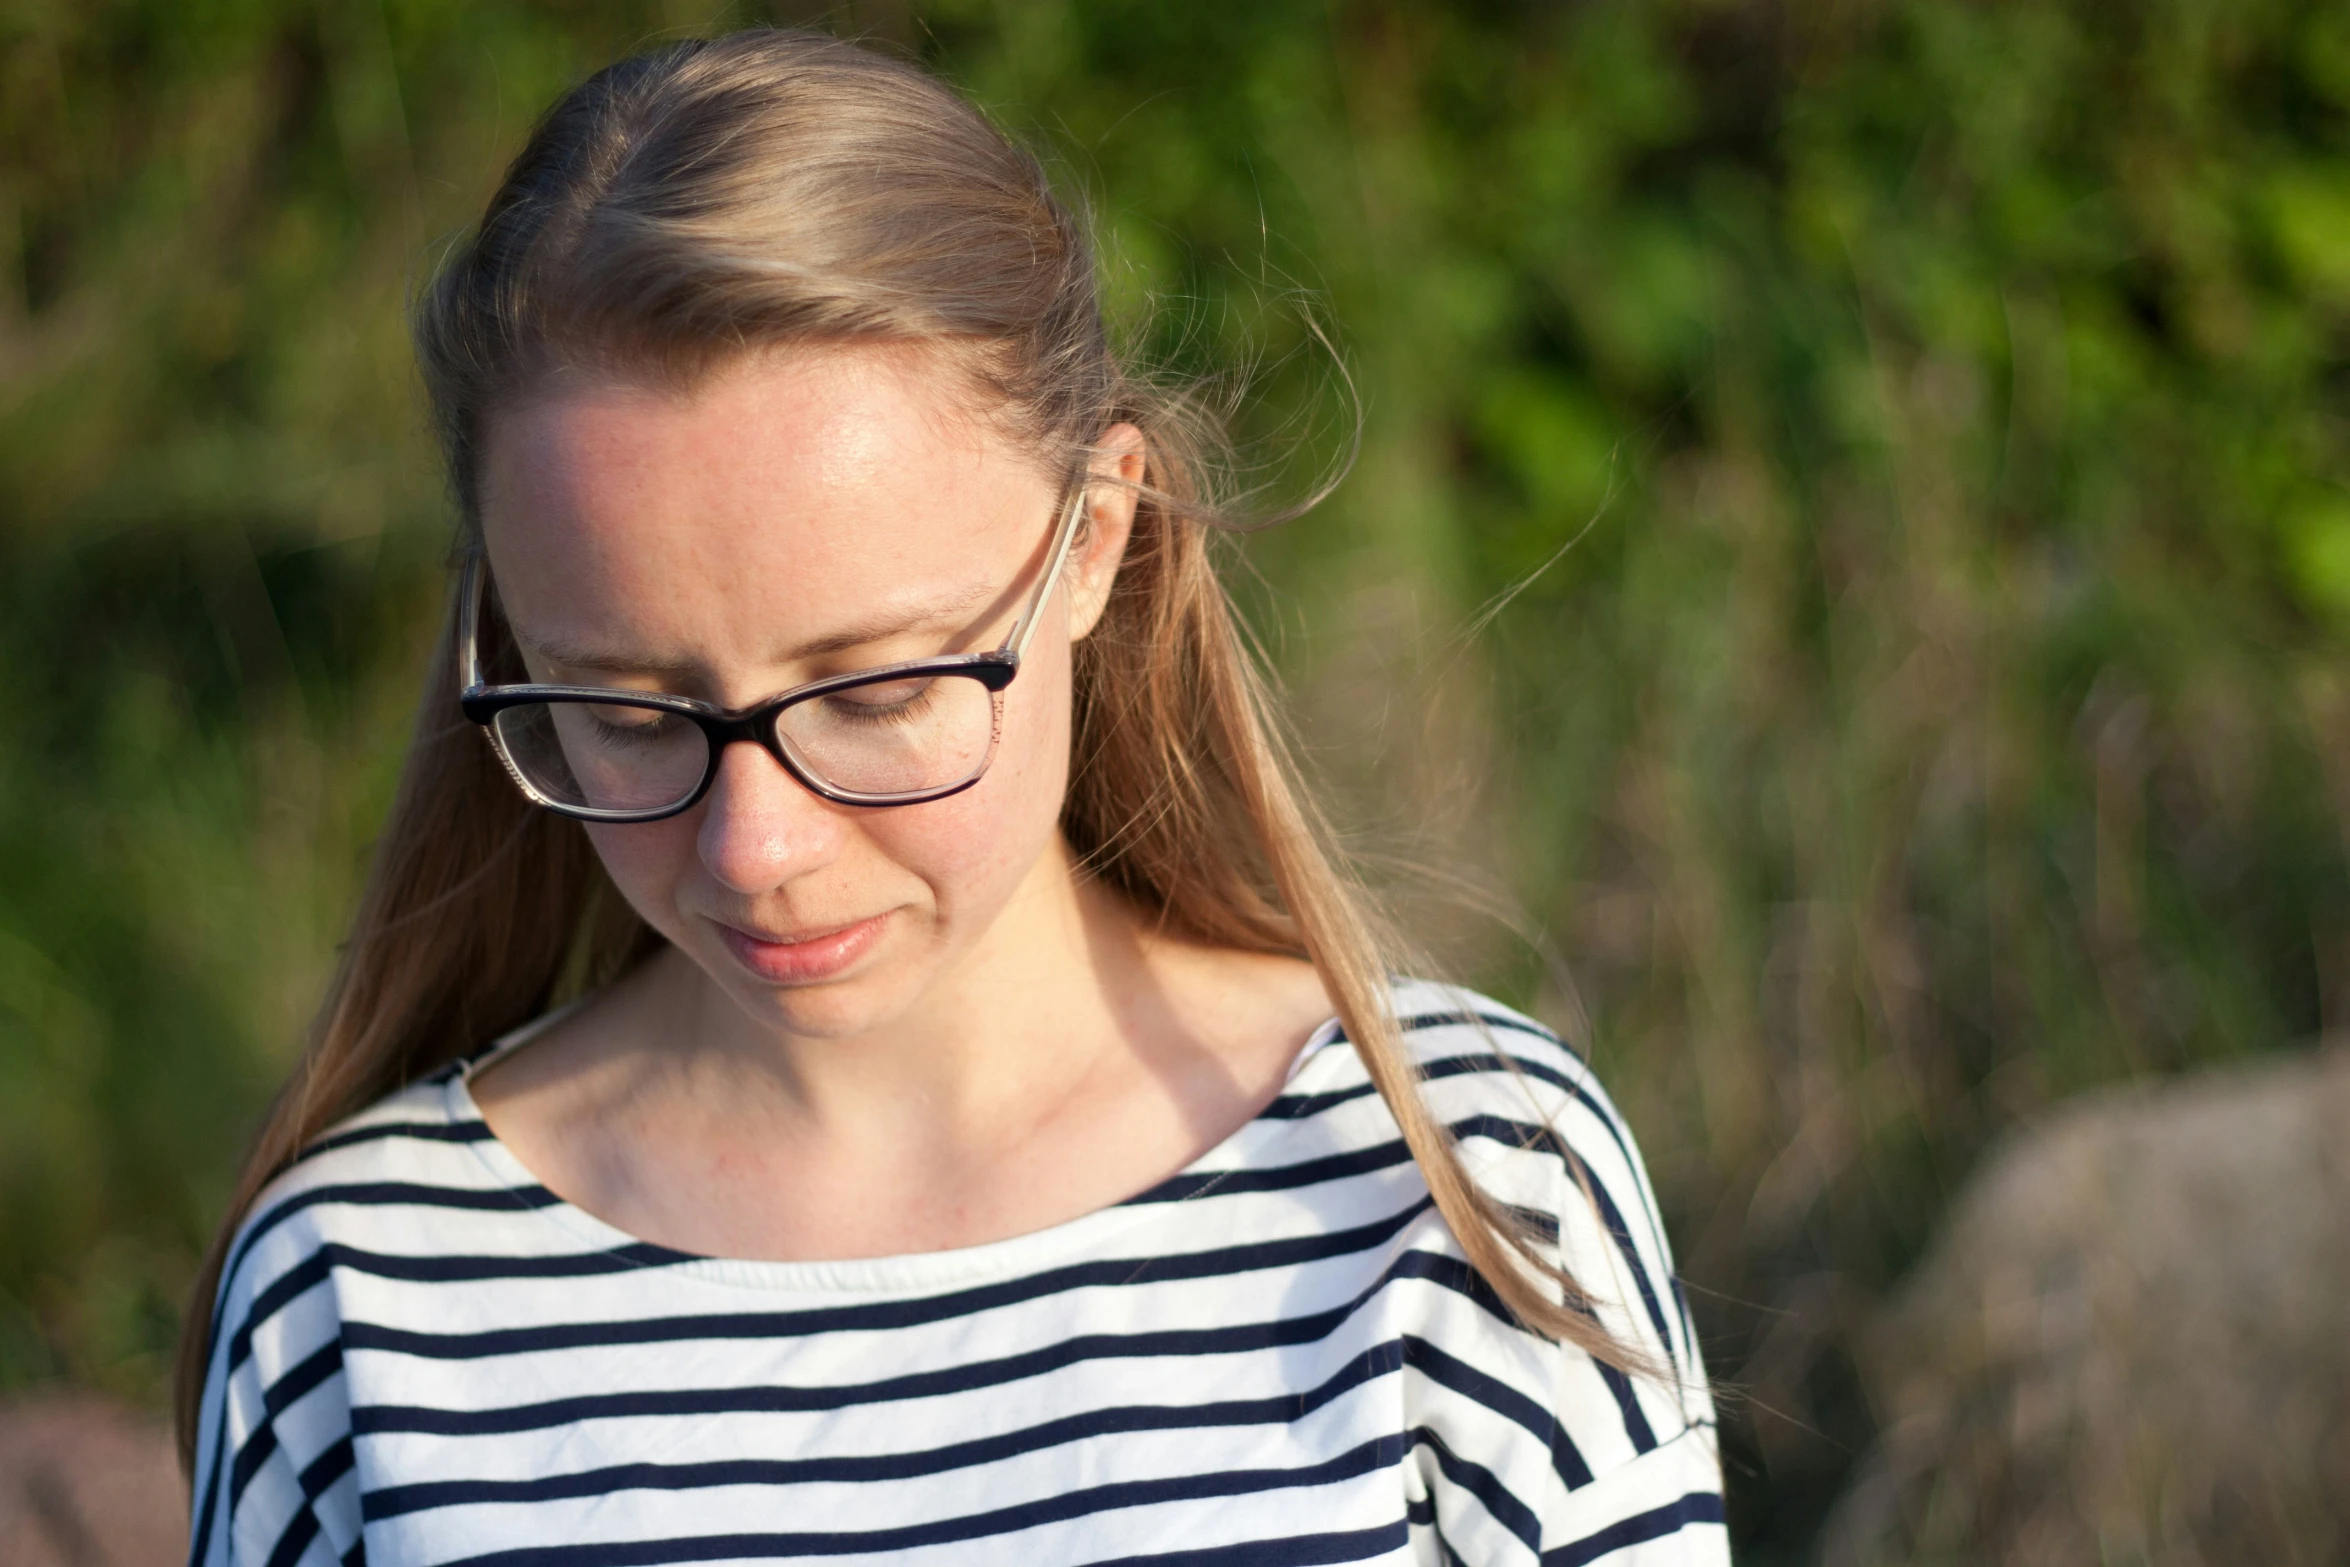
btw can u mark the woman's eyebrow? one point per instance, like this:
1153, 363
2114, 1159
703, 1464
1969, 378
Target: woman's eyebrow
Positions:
941, 611
605, 660
950, 609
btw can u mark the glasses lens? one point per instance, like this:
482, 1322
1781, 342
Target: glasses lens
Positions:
603, 755
894, 737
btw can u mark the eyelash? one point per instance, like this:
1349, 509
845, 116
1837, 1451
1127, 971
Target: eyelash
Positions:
900, 711
658, 727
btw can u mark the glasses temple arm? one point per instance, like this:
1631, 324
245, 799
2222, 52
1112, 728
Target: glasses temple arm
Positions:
1064, 535
469, 623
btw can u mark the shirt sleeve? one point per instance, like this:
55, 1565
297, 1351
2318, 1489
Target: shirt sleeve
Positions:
1537, 1454
274, 1484
1644, 1485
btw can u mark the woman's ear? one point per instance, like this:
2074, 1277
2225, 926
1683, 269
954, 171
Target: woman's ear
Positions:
1116, 472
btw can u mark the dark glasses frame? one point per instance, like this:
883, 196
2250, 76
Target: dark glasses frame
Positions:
755, 725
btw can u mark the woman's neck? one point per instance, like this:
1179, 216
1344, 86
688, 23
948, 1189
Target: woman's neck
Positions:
1071, 1058
1064, 973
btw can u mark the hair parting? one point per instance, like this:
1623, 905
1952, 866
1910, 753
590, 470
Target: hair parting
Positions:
775, 188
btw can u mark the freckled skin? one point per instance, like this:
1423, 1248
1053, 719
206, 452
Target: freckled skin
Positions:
1016, 1046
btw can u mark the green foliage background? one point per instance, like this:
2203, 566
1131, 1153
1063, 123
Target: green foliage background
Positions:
1899, 445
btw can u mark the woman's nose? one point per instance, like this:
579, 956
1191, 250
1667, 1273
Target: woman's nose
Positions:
760, 826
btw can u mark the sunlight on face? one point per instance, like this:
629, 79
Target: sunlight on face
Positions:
796, 515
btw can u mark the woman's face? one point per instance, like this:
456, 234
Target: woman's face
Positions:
796, 515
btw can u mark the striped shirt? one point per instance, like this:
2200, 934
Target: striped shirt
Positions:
1277, 1356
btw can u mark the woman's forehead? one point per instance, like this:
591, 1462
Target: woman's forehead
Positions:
789, 490
820, 429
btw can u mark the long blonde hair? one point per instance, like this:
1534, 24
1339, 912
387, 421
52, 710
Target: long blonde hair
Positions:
772, 187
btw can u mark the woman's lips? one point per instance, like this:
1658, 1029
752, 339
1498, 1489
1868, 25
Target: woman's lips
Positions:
803, 960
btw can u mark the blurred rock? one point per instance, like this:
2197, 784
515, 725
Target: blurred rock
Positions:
2131, 1343
86, 1481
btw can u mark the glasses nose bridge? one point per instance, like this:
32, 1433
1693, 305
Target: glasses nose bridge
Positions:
756, 728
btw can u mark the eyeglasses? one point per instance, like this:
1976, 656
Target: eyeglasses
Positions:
894, 735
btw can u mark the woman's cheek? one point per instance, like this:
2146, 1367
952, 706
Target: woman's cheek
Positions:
646, 860
974, 848
968, 848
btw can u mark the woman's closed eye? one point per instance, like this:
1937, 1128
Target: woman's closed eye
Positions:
890, 701
633, 726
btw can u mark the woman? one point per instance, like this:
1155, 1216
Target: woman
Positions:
983, 1130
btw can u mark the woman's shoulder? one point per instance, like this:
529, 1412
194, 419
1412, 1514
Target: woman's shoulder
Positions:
1476, 1056
420, 1131
348, 1204
1446, 1020
1530, 1118
359, 1186
1487, 1070
1538, 1132
1521, 1101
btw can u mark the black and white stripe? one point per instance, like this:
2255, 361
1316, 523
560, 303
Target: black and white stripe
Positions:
1276, 1356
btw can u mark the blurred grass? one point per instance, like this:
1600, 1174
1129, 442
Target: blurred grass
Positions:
1913, 434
